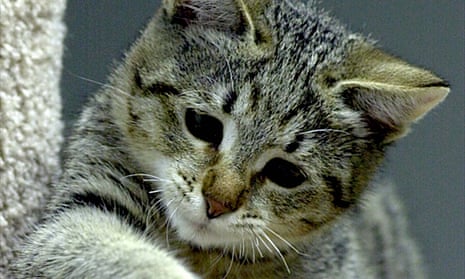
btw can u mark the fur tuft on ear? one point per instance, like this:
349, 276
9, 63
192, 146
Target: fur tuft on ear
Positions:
391, 93
236, 16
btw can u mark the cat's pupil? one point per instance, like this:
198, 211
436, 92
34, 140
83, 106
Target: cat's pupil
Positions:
204, 127
283, 173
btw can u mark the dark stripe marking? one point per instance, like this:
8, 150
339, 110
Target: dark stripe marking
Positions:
163, 88
291, 147
254, 97
156, 88
336, 187
303, 106
106, 204
379, 257
138, 79
229, 101
311, 223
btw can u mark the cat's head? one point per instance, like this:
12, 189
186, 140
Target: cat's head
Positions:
264, 120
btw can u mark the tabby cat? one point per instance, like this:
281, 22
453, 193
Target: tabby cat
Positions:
238, 139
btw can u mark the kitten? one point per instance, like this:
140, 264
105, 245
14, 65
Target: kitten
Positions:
237, 140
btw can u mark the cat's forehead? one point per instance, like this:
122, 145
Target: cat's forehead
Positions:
311, 36
291, 56
277, 78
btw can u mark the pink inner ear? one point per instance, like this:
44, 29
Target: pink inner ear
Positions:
425, 99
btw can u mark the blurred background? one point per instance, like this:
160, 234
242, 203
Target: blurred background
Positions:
427, 166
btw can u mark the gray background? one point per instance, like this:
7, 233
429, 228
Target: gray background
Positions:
427, 166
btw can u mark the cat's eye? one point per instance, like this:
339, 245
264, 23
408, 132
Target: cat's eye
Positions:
283, 173
204, 127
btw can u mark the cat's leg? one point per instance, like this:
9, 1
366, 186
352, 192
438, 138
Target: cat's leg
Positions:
90, 243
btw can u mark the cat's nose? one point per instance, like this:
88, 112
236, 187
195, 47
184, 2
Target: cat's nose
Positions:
215, 208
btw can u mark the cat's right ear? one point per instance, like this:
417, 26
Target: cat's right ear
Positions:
390, 94
240, 17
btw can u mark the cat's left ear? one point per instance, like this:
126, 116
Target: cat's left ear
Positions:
390, 93
242, 17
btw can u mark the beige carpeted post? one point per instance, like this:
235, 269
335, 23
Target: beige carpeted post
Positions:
31, 47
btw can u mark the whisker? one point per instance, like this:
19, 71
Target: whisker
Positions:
286, 242
216, 261
252, 244
170, 202
242, 247
231, 79
168, 222
157, 180
104, 85
156, 191
278, 252
167, 234
148, 177
148, 222
264, 243
253, 250
257, 244
154, 209
157, 203
231, 264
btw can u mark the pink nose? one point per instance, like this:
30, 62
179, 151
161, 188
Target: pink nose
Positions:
215, 208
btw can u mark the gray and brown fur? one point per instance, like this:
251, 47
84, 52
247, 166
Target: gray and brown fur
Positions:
286, 81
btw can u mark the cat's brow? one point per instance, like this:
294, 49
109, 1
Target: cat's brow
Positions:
294, 145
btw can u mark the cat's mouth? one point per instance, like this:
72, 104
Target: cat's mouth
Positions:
233, 232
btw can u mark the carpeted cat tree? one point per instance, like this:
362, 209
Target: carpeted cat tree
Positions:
31, 47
